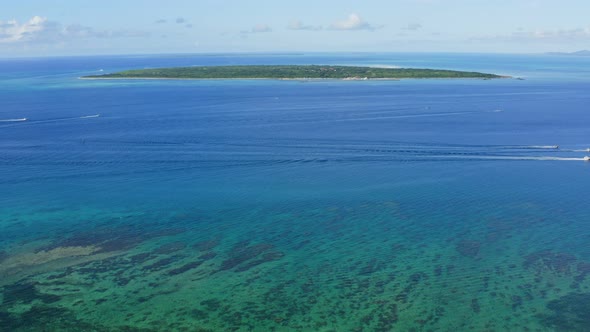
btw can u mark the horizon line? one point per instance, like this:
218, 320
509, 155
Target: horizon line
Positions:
295, 53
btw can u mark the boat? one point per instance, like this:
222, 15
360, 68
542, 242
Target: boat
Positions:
587, 158
14, 120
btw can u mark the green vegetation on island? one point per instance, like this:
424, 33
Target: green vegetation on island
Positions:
291, 72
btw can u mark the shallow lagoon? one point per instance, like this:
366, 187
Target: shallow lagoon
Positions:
289, 206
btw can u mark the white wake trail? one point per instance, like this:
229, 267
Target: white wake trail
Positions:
511, 158
14, 120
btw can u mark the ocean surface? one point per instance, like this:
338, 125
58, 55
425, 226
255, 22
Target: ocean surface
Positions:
263, 205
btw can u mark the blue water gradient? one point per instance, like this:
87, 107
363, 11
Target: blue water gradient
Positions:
295, 205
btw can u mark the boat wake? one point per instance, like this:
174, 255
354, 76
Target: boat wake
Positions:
14, 120
543, 147
541, 158
532, 147
404, 116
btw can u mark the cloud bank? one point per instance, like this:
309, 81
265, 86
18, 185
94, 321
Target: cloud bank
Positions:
39, 30
258, 28
298, 25
12, 31
353, 22
413, 27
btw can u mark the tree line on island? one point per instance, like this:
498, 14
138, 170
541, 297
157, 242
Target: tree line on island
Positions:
292, 72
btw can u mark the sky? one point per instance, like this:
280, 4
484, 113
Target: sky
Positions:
31, 28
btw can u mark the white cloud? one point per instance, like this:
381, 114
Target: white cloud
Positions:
298, 25
353, 22
42, 31
258, 28
178, 20
261, 28
11, 31
413, 27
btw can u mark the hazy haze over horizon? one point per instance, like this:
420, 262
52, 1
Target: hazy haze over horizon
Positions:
37, 28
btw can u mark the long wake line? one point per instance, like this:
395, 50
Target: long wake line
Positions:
512, 158
11, 121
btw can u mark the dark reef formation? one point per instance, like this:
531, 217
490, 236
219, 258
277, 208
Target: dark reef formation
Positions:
547, 260
207, 244
244, 256
3, 256
109, 239
569, 313
42, 315
26, 293
170, 248
468, 248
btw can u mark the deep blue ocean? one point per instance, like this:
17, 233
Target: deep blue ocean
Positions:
265, 205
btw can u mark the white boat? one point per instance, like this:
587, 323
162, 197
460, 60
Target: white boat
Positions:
586, 158
14, 120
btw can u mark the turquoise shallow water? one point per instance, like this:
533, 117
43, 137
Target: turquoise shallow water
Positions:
295, 206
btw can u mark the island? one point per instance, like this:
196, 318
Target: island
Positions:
291, 72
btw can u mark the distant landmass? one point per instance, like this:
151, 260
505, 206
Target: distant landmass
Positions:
578, 53
290, 72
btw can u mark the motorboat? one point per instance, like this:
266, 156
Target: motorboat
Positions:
14, 120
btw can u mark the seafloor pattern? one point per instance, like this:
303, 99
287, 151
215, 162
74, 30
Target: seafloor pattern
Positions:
425, 205
365, 266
